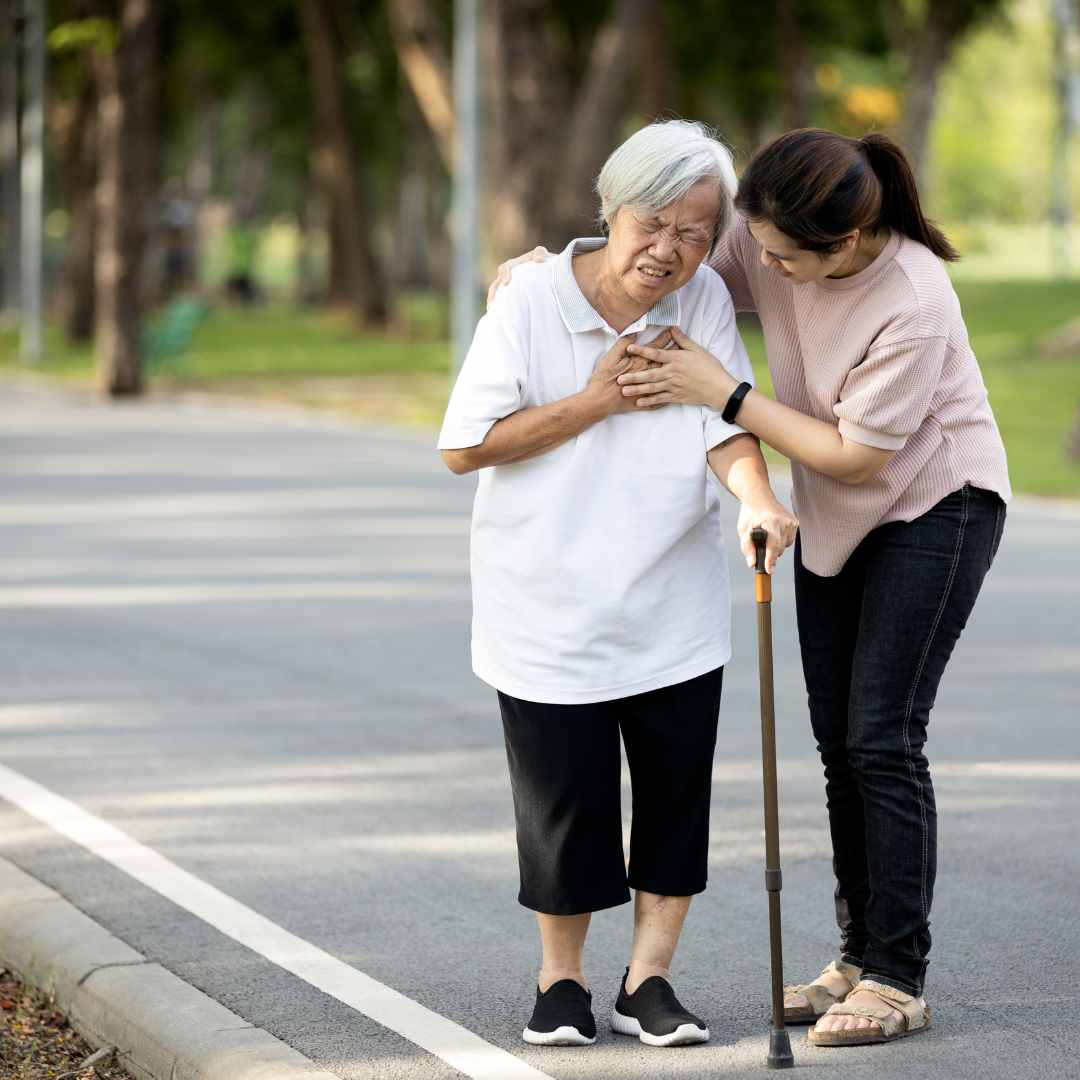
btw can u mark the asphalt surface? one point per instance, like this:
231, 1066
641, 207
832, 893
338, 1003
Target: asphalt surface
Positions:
242, 637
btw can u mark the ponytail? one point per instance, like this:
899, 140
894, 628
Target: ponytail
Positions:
817, 187
900, 208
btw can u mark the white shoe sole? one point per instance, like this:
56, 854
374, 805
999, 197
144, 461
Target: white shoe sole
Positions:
566, 1035
683, 1035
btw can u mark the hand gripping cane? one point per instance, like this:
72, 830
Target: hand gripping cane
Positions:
779, 1044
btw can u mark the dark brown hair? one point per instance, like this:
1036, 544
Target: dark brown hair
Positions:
817, 186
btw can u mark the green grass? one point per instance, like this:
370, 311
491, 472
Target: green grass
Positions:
267, 341
1036, 398
280, 351
281, 341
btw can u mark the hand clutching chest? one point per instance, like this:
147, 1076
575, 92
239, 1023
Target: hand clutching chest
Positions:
619, 360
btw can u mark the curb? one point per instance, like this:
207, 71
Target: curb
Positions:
163, 1028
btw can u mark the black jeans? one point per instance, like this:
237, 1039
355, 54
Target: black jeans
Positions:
875, 640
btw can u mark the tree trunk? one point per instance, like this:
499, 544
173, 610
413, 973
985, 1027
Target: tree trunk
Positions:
422, 56
200, 174
594, 123
792, 66
655, 77
545, 140
338, 254
926, 41
529, 100
77, 157
251, 169
126, 87
335, 171
9, 158
926, 59
418, 165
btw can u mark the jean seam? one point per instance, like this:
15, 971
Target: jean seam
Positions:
911, 707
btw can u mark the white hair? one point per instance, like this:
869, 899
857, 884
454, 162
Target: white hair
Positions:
660, 163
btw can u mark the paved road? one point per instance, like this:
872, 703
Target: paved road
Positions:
242, 638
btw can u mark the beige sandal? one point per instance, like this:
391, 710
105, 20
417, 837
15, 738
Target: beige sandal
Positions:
819, 996
914, 1017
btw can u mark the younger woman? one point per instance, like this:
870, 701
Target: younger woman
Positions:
900, 483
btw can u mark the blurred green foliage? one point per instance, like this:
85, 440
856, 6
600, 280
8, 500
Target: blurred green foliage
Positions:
991, 142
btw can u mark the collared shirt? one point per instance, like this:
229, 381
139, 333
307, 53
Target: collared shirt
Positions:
598, 568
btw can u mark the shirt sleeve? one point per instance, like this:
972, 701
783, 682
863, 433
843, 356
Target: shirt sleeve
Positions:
886, 398
729, 261
493, 378
722, 339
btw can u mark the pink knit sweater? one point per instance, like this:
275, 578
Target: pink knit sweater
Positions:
883, 354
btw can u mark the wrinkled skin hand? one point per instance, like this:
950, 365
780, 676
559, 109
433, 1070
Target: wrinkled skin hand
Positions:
618, 360
686, 375
780, 526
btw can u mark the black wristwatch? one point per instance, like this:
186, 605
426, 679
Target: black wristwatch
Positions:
731, 409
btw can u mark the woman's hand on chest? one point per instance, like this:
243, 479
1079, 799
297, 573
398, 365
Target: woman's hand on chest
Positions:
684, 374
603, 385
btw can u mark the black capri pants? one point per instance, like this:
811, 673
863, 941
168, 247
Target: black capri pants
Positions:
565, 774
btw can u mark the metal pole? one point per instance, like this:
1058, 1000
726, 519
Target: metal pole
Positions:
9, 156
779, 1055
463, 290
33, 176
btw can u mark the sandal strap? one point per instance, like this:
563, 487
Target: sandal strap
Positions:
821, 997
913, 1011
850, 972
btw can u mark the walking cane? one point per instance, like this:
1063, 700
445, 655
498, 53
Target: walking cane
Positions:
779, 1043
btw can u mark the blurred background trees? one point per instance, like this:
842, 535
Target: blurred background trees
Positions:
302, 150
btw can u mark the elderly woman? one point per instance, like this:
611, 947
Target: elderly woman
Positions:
600, 589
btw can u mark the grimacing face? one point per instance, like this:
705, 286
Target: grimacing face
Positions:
781, 253
650, 253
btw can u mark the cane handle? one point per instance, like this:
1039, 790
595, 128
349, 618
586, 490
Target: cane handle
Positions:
759, 536
762, 581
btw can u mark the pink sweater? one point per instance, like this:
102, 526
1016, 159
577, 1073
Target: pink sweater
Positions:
884, 355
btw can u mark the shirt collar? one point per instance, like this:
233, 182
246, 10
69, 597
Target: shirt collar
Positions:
579, 315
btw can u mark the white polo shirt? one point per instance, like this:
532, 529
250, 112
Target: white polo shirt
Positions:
598, 568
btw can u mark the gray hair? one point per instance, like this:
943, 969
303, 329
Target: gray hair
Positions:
660, 163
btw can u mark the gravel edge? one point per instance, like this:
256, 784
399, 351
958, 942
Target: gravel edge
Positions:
113, 996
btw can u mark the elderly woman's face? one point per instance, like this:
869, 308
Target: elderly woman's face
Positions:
653, 252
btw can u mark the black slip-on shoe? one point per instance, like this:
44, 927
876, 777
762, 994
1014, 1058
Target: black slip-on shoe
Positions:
653, 1013
562, 1016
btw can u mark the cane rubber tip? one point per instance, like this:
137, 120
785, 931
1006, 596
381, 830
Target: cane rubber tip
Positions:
779, 1050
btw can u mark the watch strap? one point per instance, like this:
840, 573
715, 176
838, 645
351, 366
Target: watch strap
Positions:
734, 403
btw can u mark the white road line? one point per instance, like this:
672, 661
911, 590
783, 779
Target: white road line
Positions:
82, 596
457, 1046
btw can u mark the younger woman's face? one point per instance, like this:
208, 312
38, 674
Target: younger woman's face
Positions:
779, 252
